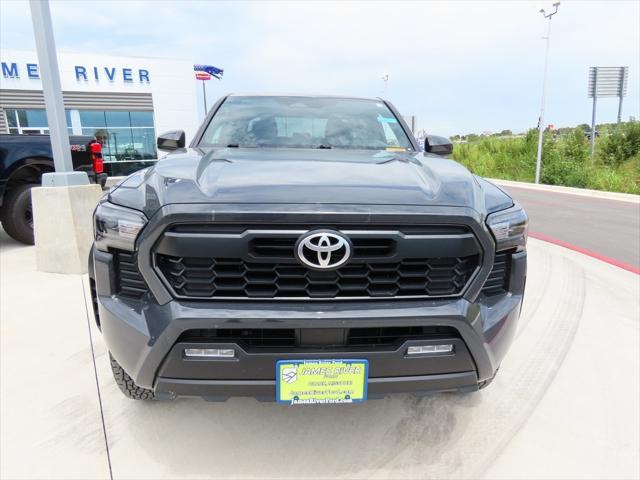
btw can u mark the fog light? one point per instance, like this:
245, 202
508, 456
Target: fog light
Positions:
210, 352
422, 349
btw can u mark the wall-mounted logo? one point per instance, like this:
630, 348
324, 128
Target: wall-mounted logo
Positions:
81, 73
323, 249
11, 70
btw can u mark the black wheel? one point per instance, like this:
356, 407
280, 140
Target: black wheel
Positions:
17, 215
126, 383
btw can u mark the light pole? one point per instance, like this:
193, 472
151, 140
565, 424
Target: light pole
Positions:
544, 87
52, 91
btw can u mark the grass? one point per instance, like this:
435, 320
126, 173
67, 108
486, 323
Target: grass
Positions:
566, 159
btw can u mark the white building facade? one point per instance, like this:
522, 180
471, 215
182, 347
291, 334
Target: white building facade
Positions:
125, 102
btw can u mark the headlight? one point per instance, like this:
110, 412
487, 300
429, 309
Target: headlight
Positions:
116, 226
509, 227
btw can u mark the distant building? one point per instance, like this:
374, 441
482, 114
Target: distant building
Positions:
125, 102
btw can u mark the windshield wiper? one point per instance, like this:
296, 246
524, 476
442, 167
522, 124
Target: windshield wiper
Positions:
233, 145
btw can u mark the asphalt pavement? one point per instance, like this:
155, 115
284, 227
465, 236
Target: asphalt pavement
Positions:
608, 228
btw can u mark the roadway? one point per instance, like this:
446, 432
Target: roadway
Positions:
605, 228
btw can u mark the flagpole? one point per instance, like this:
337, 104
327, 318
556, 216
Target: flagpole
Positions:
204, 97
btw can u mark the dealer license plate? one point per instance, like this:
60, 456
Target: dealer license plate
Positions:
321, 381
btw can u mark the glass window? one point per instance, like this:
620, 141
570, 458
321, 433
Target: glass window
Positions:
117, 119
101, 134
90, 118
141, 119
303, 122
144, 143
11, 118
115, 143
125, 136
30, 121
33, 118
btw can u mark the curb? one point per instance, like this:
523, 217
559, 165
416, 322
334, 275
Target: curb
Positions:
582, 192
598, 256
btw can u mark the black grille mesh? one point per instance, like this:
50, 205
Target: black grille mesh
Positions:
498, 281
129, 282
288, 337
235, 278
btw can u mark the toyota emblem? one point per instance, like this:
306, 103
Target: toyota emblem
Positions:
323, 249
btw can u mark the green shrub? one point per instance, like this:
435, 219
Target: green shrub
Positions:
620, 145
566, 160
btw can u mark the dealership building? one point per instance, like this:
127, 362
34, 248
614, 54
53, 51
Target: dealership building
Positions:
125, 102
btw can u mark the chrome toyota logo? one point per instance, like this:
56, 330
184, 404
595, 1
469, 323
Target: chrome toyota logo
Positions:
323, 249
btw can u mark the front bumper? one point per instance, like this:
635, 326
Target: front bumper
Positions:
144, 335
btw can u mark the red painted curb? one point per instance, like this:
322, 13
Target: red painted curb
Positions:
575, 248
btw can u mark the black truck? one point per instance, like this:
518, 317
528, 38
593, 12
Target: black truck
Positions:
305, 249
23, 160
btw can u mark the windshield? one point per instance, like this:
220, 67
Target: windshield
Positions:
305, 122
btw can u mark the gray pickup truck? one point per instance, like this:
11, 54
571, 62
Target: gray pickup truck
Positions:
305, 249
23, 160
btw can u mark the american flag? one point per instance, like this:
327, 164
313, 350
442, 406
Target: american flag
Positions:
210, 69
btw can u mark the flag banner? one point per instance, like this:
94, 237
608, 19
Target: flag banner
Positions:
209, 70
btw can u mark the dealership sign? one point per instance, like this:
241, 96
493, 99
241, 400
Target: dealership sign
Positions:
81, 72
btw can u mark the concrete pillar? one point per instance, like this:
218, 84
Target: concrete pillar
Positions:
63, 228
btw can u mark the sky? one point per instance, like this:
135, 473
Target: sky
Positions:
458, 66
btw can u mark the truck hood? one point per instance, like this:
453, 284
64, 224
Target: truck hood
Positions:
299, 176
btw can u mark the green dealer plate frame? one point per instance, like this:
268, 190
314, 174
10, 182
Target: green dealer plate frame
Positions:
321, 381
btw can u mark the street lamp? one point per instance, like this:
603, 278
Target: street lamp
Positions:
544, 87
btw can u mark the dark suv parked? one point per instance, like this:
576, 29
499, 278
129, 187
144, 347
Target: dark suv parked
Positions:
305, 250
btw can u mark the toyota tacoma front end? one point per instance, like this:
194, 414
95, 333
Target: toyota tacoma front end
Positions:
305, 250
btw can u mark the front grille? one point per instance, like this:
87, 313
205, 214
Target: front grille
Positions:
258, 261
198, 277
236, 228
396, 335
284, 247
289, 337
498, 281
256, 337
129, 282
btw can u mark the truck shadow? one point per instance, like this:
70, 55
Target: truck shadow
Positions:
8, 244
243, 437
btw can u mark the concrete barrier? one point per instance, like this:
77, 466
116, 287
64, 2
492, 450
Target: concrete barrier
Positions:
63, 227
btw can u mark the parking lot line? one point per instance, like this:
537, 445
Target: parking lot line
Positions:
95, 373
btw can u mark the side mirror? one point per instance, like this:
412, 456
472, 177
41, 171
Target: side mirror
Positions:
171, 140
438, 145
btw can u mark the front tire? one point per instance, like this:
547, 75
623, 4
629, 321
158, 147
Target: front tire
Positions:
17, 215
126, 383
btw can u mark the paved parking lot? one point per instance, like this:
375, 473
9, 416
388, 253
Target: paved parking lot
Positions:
565, 403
